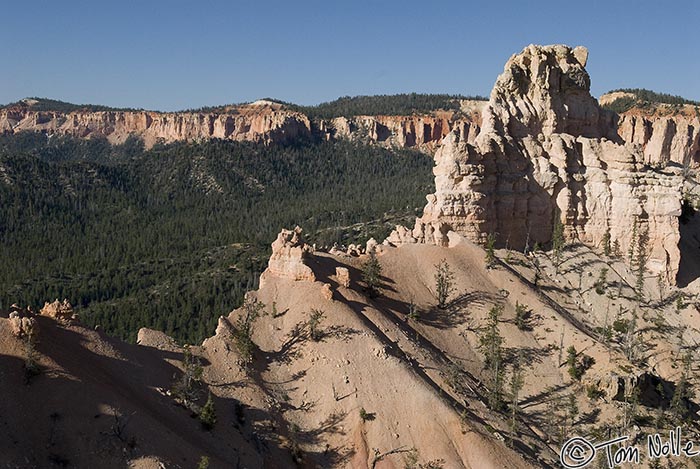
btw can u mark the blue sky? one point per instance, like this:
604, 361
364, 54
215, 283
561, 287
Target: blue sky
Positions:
171, 55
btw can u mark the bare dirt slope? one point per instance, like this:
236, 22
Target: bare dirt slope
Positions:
64, 417
378, 382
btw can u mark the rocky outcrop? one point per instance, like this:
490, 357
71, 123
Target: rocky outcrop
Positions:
60, 310
156, 339
288, 259
22, 326
262, 121
663, 139
546, 149
423, 131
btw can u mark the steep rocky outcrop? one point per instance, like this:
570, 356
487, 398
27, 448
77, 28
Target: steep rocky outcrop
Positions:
288, 258
61, 310
546, 149
663, 138
423, 131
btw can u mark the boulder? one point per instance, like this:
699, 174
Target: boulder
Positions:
342, 275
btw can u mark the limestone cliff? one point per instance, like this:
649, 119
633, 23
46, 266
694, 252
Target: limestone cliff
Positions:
422, 131
663, 138
546, 149
262, 121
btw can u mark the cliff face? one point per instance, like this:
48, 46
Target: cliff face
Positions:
664, 135
663, 138
423, 131
546, 150
262, 121
259, 122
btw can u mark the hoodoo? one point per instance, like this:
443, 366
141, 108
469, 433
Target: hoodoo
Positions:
546, 149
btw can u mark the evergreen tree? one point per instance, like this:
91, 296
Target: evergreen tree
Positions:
372, 273
444, 283
243, 332
490, 251
208, 414
558, 242
640, 264
314, 323
491, 345
682, 393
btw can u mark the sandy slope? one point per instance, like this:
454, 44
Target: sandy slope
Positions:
421, 380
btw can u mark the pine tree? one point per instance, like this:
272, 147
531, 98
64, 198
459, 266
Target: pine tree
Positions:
491, 345
607, 249
640, 262
683, 391
314, 325
208, 414
186, 389
490, 251
630, 341
372, 273
444, 283
243, 332
558, 242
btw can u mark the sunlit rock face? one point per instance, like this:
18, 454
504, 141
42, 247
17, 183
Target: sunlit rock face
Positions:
546, 149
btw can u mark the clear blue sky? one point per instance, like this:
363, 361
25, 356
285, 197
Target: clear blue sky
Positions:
173, 54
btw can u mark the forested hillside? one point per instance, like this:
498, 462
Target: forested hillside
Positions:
644, 98
392, 105
171, 238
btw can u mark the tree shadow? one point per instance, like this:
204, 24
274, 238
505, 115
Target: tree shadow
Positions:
96, 376
530, 355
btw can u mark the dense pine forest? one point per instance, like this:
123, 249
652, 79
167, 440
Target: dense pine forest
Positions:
54, 105
391, 105
388, 105
172, 237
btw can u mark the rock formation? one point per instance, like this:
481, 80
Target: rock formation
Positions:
22, 326
262, 121
288, 258
663, 139
423, 131
61, 310
546, 149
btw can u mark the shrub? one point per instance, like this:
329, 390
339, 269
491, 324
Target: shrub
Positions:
314, 322
366, 416
523, 314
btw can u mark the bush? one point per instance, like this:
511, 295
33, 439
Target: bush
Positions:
315, 318
366, 416
594, 393
578, 365
523, 315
